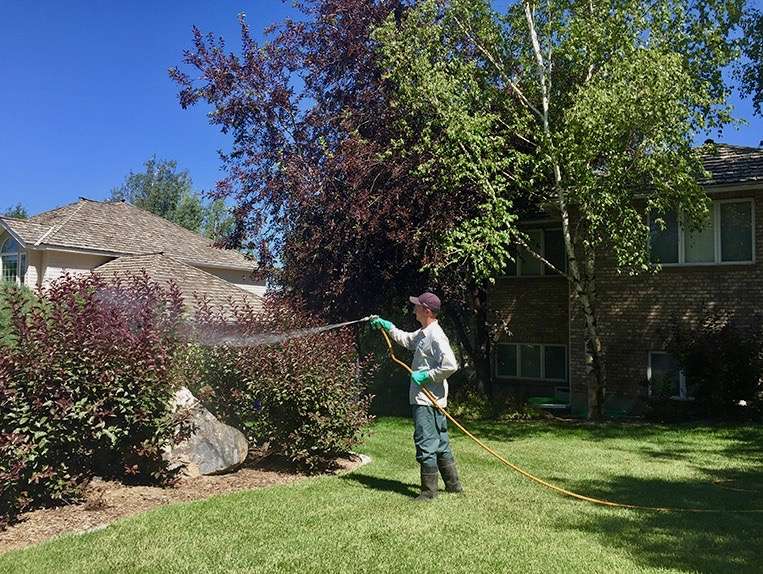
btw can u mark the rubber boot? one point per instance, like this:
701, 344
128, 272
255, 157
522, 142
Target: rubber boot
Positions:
449, 475
428, 483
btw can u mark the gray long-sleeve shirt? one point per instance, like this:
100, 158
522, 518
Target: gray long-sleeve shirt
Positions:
432, 353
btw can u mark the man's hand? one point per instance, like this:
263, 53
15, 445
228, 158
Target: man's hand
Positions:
379, 323
420, 377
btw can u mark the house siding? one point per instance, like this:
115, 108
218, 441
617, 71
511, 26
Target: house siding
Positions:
53, 264
242, 279
635, 314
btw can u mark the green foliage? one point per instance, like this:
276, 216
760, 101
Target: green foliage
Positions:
750, 70
160, 189
17, 211
470, 404
168, 193
305, 398
27, 297
722, 358
603, 111
218, 221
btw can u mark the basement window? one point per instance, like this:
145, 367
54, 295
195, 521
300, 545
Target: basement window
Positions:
528, 361
727, 238
666, 378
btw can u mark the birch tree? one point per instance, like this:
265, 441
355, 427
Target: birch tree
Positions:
583, 108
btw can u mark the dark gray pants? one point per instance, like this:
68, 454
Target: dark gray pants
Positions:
430, 435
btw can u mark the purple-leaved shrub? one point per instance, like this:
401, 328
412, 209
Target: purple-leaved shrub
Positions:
86, 378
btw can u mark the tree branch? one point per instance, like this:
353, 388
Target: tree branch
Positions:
499, 68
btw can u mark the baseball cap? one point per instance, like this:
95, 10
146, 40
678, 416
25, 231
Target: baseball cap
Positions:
428, 300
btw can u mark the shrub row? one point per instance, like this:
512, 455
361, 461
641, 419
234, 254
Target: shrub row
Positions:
88, 370
85, 386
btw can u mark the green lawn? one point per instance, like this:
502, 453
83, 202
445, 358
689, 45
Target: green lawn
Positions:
366, 522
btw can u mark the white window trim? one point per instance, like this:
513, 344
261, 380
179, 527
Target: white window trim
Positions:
683, 392
716, 215
544, 271
542, 362
21, 263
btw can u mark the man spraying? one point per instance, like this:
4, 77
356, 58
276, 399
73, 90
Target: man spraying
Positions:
433, 362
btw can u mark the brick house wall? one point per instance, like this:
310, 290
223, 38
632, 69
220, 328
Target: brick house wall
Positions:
635, 313
536, 310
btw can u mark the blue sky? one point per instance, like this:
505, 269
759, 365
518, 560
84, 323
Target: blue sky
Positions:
85, 96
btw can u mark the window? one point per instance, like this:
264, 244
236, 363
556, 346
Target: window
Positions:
12, 261
547, 242
726, 238
525, 361
666, 378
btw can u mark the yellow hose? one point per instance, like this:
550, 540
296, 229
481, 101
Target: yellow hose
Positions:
526, 474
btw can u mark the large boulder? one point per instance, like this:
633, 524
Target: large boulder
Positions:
212, 448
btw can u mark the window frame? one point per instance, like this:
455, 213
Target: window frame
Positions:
542, 377
544, 270
21, 260
716, 215
682, 388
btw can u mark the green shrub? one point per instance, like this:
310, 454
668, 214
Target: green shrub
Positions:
468, 403
722, 358
85, 383
304, 398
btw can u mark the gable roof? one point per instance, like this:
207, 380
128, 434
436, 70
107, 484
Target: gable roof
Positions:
121, 228
732, 164
24, 229
163, 269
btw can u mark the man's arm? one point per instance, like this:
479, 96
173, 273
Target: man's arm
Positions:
404, 338
447, 361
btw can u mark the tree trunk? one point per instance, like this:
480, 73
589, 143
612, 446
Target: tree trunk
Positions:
584, 287
596, 388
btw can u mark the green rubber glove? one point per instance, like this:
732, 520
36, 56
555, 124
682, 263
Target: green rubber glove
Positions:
419, 377
379, 323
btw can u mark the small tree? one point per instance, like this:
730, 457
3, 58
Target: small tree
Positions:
17, 211
578, 107
86, 379
304, 398
164, 191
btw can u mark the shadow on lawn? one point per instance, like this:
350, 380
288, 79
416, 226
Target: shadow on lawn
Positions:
745, 440
383, 484
698, 542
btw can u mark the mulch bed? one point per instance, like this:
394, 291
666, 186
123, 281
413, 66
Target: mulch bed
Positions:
106, 501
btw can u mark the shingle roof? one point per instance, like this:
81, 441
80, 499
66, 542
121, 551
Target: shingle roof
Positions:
731, 164
190, 280
28, 231
120, 227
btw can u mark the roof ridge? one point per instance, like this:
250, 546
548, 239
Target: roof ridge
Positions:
735, 146
207, 241
55, 229
21, 219
49, 211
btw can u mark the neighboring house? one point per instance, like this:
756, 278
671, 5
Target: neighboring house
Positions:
112, 238
720, 267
